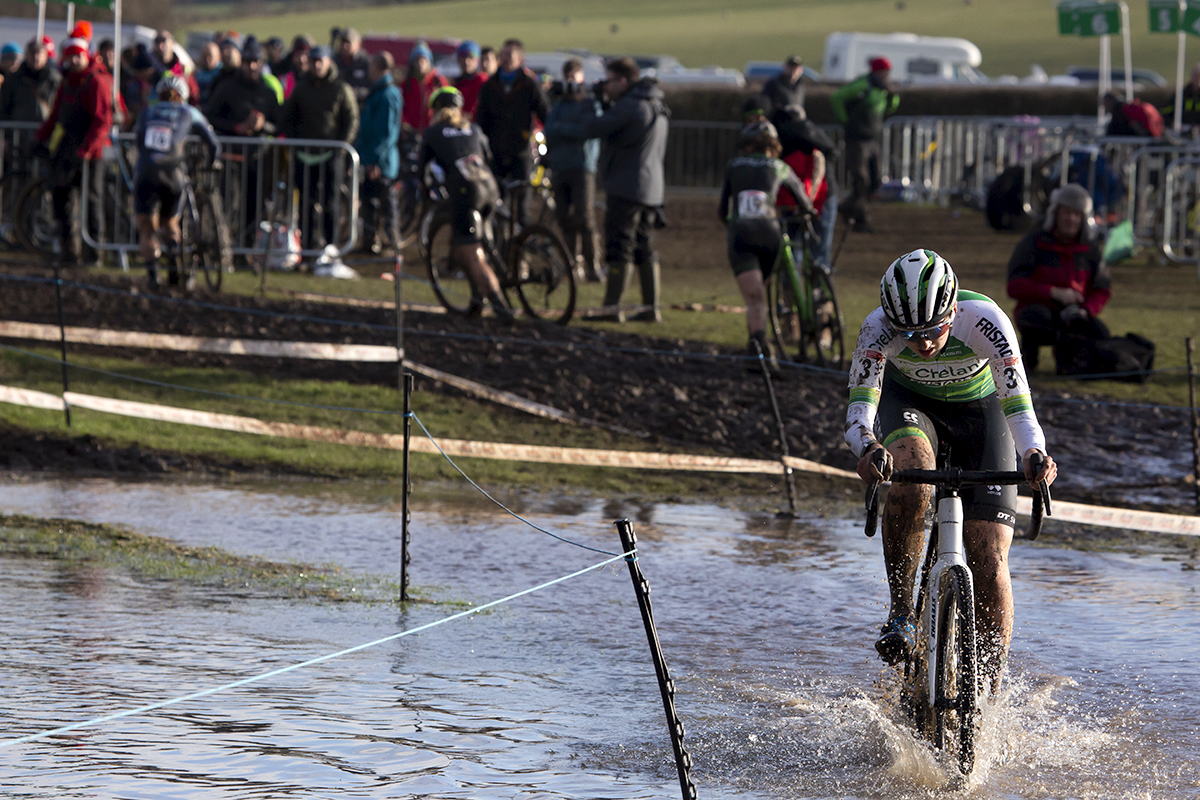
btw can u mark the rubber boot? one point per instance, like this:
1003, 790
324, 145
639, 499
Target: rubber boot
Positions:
651, 277
618, 276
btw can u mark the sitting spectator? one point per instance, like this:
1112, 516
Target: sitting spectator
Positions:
378, 137
419, 85
572, 161
29, 92
352, 63
1135, 118
1058, 276
322, 107
168, 61
471, 78
207, 70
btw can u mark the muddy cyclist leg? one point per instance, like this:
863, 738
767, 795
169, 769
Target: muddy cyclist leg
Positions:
987, 545
904, 521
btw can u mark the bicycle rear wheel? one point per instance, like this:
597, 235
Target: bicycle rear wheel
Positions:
37, 227
822, 341
214, 245
450, 278
956, 690
544, 274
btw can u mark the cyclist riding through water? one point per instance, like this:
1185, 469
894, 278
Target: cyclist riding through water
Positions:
159, 178
938, 363
461, 149
754, 235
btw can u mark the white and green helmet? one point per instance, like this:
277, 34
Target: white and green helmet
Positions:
918, 291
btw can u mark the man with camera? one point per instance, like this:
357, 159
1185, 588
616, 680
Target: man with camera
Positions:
633, 130
572, 159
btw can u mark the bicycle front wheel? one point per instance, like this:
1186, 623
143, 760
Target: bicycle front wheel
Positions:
544, 274
450, 277
955, 702
822, 341
214, 242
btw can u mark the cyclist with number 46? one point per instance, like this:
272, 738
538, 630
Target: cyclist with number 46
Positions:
936, 363
159, 179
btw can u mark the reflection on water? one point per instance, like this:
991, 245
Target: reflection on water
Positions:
766, 623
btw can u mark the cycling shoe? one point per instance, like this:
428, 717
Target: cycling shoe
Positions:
897, 640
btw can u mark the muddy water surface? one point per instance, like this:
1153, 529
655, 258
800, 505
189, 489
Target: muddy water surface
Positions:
767, 627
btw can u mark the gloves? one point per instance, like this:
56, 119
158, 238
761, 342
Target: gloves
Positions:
1072, 314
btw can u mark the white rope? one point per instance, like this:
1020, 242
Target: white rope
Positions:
225, 687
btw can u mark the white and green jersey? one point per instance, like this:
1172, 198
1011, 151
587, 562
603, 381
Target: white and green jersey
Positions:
980, 358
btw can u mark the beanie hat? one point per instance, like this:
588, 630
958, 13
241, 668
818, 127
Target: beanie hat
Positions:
73, 46
1070, 196
251, 49
320, 51
10, 49
82, 31
48, 43
880, 63
469, 49
420, 49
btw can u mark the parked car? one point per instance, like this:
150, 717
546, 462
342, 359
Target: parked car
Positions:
670, 72
765, 70
1143, 77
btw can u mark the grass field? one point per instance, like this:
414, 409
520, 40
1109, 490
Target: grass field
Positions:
1012, 34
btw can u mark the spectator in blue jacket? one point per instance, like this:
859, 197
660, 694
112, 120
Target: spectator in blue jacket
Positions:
378, 135
572, 160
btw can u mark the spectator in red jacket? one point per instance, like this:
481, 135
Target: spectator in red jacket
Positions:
420, 84
74, 136
1058, 276
471, 78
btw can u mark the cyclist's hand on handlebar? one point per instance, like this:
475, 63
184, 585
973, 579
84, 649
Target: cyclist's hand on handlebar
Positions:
1047, 473
875, 464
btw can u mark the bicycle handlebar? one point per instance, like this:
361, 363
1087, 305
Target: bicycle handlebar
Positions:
957, 478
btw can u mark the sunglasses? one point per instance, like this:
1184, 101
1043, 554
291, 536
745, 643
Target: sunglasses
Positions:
927, 335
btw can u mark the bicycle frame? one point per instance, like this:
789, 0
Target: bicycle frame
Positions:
950, 553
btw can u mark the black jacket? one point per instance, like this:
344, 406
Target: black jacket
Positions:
354, 73
28, 94
633, 136
235, 97
321, 108
505, 113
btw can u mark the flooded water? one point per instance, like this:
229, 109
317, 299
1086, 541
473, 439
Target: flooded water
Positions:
767, 627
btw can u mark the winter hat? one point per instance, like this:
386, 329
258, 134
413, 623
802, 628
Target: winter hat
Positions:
1070, 196
880, 63
320, 51
73, 46
469, 49
82, 31
10, 49
420, 49
48, 43
251, 49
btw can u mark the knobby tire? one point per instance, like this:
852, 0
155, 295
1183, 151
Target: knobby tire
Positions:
37, 229
451, 280
215, 242
544, 274
956, 706
822, 341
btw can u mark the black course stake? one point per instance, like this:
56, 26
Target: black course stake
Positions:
62, 341
406, 478
667, 686
789, 482
1191, 369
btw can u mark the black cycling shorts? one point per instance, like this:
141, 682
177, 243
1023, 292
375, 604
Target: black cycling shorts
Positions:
468, 224
155, 189
978, 435
753, 246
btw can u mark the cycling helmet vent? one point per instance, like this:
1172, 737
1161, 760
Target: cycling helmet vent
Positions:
754, 130
918, 291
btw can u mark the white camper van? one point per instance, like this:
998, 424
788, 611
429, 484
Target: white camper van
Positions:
915, 59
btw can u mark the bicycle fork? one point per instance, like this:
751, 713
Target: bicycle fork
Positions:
950, 554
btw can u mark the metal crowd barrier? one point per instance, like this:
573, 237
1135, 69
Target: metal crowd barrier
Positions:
306, 184
1180, 229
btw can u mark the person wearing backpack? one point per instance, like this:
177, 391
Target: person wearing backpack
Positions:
1058, 277
861, 107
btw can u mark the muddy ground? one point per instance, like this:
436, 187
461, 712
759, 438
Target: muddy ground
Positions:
674, 392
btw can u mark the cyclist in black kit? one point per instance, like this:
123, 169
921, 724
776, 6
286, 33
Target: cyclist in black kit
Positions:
159, 179
753, 231
461, 149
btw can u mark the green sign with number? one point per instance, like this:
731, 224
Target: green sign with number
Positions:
1165, 17
1089, 19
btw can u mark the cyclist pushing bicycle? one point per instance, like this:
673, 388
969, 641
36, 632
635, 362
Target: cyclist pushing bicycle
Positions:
754, 233
160, 179
461, 149
939, 364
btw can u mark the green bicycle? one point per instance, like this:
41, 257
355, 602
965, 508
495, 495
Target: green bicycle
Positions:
802, 305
